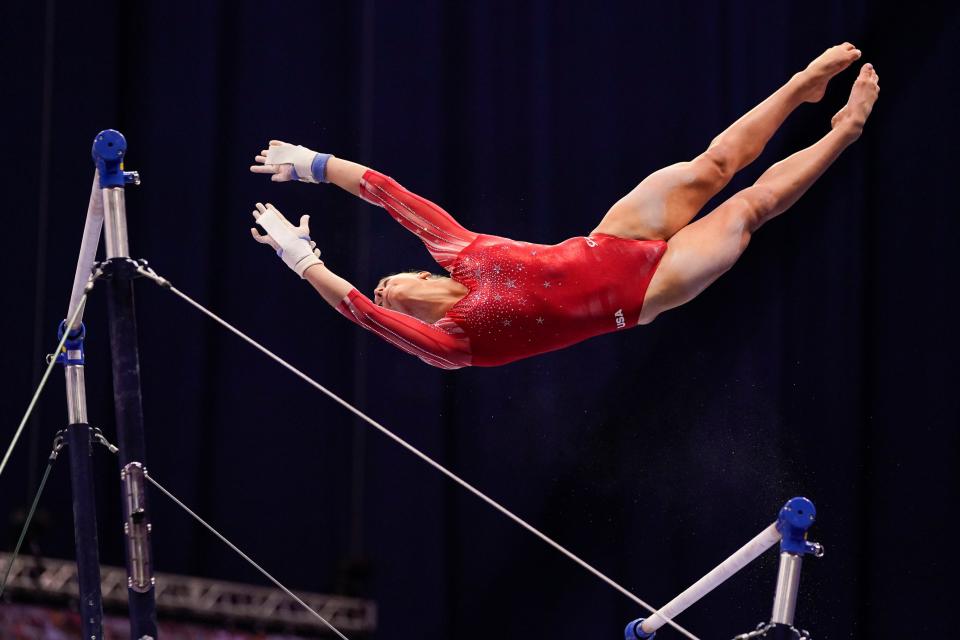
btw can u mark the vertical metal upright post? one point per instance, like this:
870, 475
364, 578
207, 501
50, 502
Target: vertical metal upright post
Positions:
795, 518
109, 148
81, 478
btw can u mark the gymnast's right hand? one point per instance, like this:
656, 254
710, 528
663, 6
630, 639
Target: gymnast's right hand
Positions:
292, 244
287, 162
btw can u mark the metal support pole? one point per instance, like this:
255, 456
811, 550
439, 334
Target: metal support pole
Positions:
788, 583
81, 478
795, 518
109, 148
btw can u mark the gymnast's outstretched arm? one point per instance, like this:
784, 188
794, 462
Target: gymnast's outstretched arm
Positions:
441, 346
284, 162
443, 236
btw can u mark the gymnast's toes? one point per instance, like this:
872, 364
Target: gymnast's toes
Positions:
828, 64
863, 95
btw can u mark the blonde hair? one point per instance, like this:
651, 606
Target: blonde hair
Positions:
433, 276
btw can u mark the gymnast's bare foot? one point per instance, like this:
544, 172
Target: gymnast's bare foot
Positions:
866, 90
813, 80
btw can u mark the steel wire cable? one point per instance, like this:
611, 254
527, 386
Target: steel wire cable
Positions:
52, 361
149, 273
58, 444
146, 474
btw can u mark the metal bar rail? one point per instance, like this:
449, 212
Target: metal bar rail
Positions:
790, 529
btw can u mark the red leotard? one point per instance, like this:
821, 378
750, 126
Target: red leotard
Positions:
523, 299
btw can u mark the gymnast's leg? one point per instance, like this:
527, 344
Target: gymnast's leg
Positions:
704, 250
668, 199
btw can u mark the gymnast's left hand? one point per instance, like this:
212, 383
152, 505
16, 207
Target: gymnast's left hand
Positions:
285, 162
278, 172
292, 244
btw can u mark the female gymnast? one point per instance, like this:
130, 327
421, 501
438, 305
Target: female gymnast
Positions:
505, 300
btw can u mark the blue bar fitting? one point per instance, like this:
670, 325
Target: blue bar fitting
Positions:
795, 519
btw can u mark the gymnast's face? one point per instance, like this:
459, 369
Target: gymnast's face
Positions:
402, 291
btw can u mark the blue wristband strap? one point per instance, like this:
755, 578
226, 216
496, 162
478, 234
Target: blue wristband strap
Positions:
319, 167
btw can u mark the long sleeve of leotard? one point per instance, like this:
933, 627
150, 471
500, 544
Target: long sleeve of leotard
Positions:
443, 236
441, 345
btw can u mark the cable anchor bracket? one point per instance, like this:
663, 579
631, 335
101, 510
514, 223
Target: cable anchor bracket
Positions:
59, 442
137, 528
97, 435
144, 269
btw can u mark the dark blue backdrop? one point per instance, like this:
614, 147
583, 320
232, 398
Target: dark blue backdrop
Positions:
824, 364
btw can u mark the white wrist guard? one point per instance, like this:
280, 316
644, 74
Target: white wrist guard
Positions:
295, 250
299, 156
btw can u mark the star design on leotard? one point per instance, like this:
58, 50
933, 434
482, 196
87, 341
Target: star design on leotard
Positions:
540, 320
497, 297
496, 268
477, 273
546, 284
506, 322
511, 284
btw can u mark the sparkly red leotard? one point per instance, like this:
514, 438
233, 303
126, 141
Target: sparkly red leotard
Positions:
523, 299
